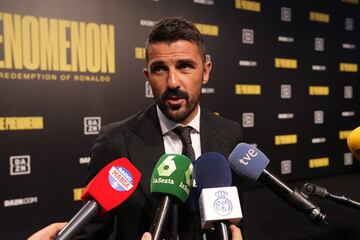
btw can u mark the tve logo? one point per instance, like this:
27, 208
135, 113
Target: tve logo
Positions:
248, 161
251, 153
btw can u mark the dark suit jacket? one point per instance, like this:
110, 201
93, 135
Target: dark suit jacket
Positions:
139, 139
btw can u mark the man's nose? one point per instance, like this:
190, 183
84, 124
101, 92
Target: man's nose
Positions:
173, 80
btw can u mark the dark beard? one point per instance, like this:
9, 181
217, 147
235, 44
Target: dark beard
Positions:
167, 110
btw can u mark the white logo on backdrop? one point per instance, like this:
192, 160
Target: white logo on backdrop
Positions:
92, 125
286, 167
349, 24
20, 165
348, 92
248, 120
319, 117
319, 44
285, 91
285, 14
348, 159
248, 36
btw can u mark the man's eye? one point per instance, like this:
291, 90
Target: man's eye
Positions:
184, 66
158, 69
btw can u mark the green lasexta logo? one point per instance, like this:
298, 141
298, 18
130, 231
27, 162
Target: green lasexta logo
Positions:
167, 167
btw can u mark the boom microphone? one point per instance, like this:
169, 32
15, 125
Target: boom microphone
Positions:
353, 142
109, 188
218, 202
171, 180
250, 162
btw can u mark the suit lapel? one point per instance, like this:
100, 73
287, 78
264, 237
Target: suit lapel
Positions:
145, 144
209, 128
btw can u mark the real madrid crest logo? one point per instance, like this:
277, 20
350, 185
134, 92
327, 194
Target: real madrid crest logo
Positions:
222, 205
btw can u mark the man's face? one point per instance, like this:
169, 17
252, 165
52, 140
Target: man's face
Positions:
176, 73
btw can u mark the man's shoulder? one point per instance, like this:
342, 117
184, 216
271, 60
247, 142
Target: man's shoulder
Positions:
125, 123
218, 119
132, 121
216, 125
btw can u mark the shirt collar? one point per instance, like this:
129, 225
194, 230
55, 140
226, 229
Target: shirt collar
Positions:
167, 125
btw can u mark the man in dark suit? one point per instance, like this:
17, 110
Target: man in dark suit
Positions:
176, 70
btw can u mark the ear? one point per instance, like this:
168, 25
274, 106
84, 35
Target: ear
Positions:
146, 72
207, 70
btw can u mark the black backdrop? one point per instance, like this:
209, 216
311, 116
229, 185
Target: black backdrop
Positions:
266, 55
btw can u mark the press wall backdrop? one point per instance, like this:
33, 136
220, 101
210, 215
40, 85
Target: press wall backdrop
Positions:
287, 70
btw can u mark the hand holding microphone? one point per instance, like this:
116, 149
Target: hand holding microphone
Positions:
48, 232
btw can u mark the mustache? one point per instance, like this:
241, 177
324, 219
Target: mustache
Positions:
171, 93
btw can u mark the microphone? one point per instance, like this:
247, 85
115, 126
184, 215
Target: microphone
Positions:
171, 180
219, 201
109, 188
250, 162
310, 189
353, 142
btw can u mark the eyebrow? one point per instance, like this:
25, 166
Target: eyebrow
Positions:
186, 60
155, 63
